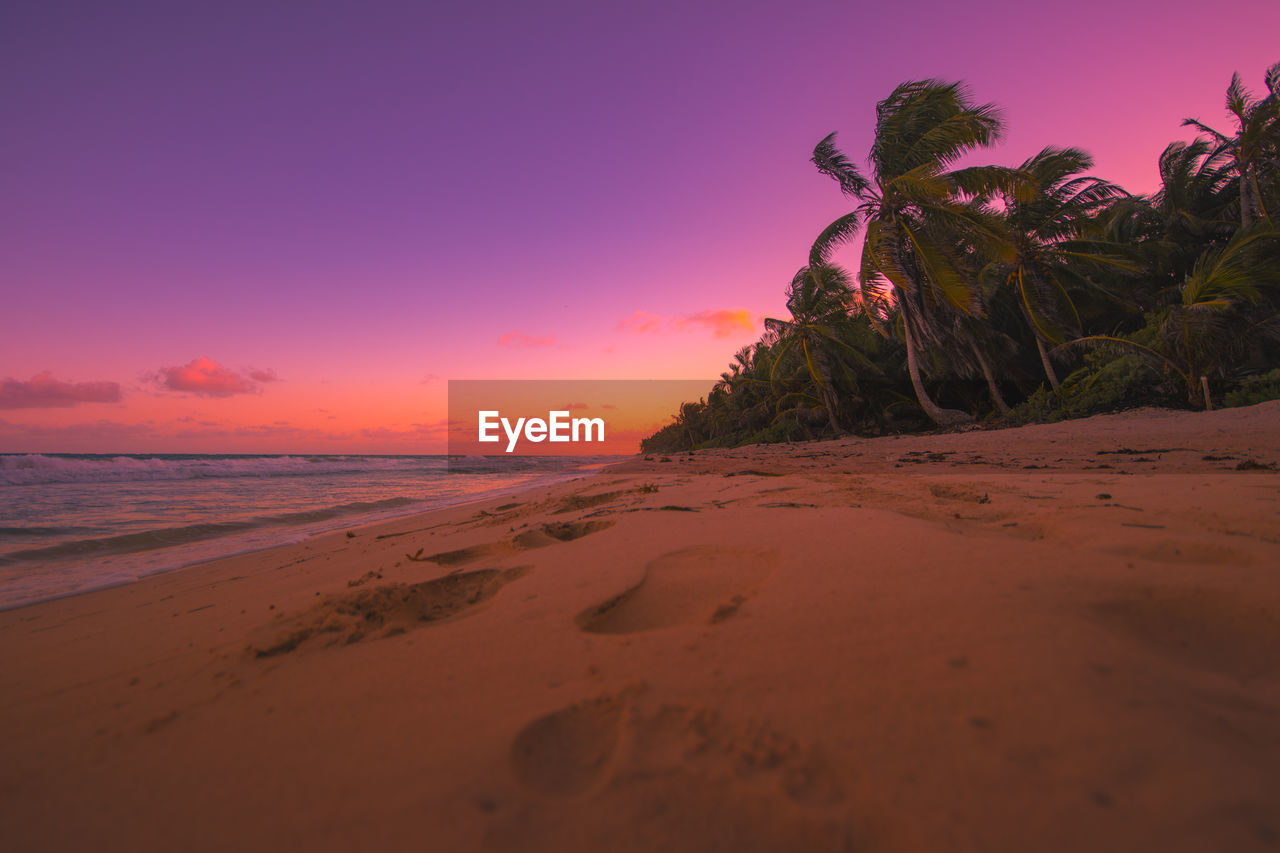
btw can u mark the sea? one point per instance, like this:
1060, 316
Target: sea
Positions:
74, 522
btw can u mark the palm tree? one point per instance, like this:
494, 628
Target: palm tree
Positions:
1193, 209
819, 299
1047, 220
743, 404
913, 209
1256, 141
1165, 234
1210, 324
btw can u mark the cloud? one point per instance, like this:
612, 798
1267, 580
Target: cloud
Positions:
417, 431
42, 391
206, 377
723, 323
197, 429
520, 339
102, 430
642, 322
279, 429
572, 407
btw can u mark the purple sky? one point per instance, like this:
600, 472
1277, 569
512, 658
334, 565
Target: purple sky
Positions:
366, 198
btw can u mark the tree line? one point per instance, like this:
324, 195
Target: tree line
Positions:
1016, 293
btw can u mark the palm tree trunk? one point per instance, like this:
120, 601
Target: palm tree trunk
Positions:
1248, 201
1048, 365
994, 391
827, 390
1049, 372
1263, 213
829, 404
940, 416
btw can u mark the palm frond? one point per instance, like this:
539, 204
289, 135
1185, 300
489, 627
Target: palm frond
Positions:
831, 161
1205, 129
1238, 98
835, 235
942, 274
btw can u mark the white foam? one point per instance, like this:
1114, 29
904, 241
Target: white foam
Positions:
36, 468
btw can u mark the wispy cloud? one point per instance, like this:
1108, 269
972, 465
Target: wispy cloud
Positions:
642, 322
520, 339
197, 429
279, 429
208, 378
722, 323
42, 391
95, 436
102, 430
417, 431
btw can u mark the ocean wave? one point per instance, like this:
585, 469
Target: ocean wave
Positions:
60, 540
36, 530
167, 537
37, 469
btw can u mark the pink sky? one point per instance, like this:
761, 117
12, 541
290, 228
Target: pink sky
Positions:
279, 227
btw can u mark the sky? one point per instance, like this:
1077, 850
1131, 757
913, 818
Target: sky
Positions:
284, 226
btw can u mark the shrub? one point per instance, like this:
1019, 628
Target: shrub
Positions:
1255, 389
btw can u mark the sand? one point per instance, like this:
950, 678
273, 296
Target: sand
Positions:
1060, 637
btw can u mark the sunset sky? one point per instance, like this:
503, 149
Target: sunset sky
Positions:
280, 227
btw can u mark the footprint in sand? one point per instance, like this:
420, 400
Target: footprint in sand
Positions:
576, 502
538, 537
567, 752
462, 556
1204, 629
384, 611
689, 587
960, 492
560, 531
657, 772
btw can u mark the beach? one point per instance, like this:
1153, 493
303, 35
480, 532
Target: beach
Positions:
1055, 637
71, 523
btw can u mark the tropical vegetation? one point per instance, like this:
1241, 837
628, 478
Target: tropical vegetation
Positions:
1010, 294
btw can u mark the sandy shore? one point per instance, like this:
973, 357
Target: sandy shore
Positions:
1061, 637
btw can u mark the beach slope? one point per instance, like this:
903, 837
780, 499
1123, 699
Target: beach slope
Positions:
1058, 637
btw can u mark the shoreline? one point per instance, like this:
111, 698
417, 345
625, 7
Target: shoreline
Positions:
1037, 638
258, 537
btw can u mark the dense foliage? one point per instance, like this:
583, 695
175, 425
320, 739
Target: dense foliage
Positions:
1016, 293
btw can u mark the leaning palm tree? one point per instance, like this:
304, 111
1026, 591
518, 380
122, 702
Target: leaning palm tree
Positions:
912, 208
1255, 143
1197, 191
1194, 208
1051, 253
